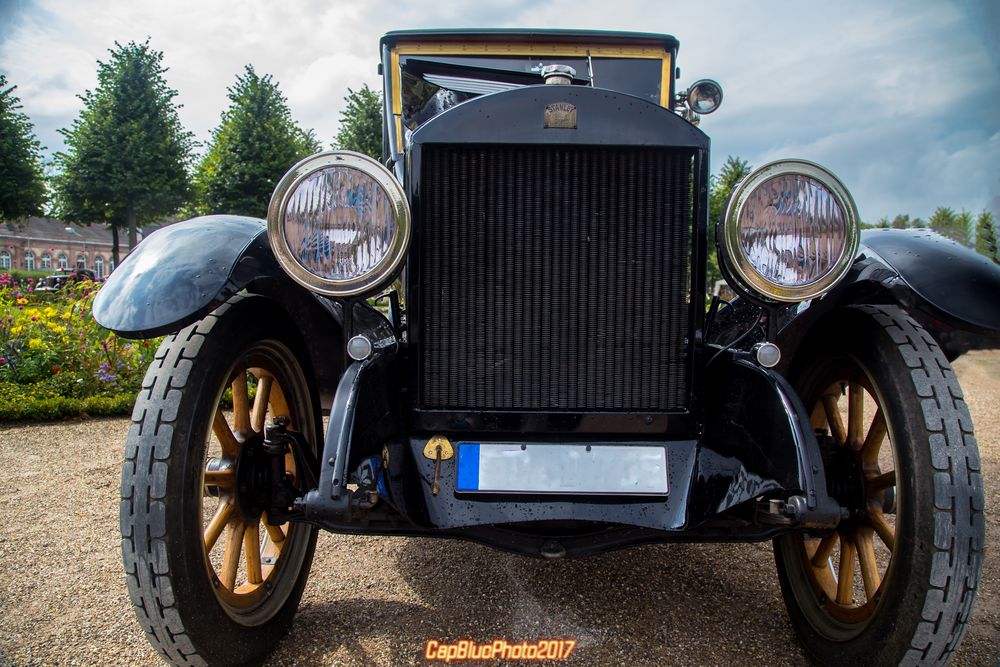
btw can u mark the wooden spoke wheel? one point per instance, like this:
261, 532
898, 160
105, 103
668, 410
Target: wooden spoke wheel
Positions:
847, 567
887, 586
211, 578
243, 549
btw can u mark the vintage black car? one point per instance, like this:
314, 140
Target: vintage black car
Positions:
505, 323
63, 278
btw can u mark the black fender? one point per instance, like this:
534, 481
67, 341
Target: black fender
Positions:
758, 439
934, 273
949, 289
182, 272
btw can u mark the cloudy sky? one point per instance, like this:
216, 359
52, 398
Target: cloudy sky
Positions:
901, 98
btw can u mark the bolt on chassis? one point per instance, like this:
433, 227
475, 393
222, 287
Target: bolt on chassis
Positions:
504, 322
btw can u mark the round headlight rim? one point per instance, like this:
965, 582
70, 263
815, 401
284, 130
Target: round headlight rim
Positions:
385, 270
698, 85
752, 283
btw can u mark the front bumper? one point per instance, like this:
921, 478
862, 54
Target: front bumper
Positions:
755, 472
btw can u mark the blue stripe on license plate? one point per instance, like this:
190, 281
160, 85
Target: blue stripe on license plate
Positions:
468, 467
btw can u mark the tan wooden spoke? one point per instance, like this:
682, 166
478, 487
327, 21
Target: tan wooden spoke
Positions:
217, 524
241, 404
251, 546
222, 478
845, 574
260, 401
866, 557
279, 406
881, 525
227, 439
824, 550
877, 483
837, 429
873, 441
274, 532
231, 556
855, 416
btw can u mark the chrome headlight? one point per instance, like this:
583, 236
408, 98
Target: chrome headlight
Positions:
704, 96
790, 231
339, 224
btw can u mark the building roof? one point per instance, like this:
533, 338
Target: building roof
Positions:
56, 230
51, 229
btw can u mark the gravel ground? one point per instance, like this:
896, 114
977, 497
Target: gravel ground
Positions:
375, 601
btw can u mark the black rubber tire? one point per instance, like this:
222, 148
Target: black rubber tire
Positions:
162, 549
935, 568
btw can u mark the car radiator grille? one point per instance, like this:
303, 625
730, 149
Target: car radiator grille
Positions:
553, 278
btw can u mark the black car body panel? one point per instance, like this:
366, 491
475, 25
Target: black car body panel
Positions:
944, 286
186, 269
957, 283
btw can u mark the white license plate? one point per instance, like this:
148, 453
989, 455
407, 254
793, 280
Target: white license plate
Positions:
506, 467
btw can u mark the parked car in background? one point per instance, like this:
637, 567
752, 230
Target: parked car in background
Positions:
62, 278
549, 379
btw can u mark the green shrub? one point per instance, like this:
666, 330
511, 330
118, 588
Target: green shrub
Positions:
58, 407
22, 275
55, 360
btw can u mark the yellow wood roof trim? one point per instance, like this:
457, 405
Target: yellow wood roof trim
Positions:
552, 50
527, 49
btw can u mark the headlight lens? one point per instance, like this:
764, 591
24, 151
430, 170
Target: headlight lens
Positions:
704, 96
790, 231
339, 223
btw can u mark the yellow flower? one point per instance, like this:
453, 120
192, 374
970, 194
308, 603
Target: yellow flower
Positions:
50, 311
34, 342
67, 315
22, 301
16, 329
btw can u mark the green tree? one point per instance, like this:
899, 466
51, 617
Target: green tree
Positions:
732, 172
883, 223
127, 154
901, 222
22, 183
966, 225
361, 123
255, 143
986, 236
956, 226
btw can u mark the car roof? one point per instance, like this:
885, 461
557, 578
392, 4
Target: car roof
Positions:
390, 39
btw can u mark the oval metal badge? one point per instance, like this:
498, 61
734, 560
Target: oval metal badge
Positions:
560, 115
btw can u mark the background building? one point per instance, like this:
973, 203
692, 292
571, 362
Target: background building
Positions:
46, 244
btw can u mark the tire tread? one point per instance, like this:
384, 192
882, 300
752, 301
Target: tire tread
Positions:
958, 490
143, 486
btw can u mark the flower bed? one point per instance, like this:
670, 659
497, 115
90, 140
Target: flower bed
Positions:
56, 361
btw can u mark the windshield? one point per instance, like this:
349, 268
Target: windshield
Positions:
432, 84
